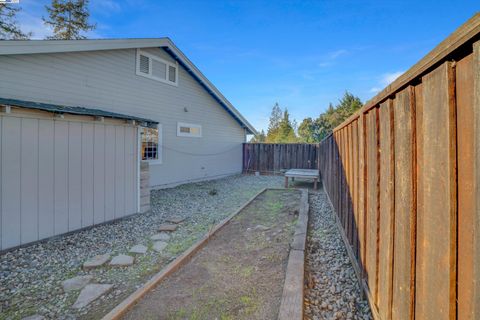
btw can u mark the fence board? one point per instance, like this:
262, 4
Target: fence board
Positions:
436, 273
372, 202
355, 187
385, 264
404, 115
466, 196
350, 185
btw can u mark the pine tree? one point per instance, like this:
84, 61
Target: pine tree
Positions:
9, 29
274, 123
69, 18
286, 133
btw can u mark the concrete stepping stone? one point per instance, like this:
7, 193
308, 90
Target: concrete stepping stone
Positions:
96, 261
175, 220
163, 236
76, 283
261, 228
122, 260
167, 227
34, 317
90, 293
159, 246
138, 249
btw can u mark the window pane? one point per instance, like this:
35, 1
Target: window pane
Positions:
195, 131
149, 138
171, 74
159, 69
185, 129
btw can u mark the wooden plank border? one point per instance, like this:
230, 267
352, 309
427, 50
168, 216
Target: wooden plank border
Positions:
173, 266
291, 306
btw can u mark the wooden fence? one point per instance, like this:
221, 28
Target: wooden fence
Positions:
403, 175
273, 158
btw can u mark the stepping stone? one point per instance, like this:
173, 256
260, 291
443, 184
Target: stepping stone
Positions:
138, 249
96, 261
163, 236
261, 227
175, 220
122, 260
159, 246
167, 227
90, 293
34, 317
76, 283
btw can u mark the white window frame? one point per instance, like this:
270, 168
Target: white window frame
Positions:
150, 75
190, 125
159, 148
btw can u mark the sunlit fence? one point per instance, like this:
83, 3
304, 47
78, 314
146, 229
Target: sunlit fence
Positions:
403, 175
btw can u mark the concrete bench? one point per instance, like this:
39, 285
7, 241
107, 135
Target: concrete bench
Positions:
307, 174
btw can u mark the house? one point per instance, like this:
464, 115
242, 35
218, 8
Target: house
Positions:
79, 118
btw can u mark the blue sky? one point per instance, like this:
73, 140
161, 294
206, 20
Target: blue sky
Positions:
301, 54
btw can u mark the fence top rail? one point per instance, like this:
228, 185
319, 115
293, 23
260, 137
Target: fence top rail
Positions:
463, 35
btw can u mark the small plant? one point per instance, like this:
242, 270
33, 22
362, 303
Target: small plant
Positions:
213, 192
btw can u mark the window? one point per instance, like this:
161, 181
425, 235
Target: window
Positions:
189, 130
151, 144
155, 68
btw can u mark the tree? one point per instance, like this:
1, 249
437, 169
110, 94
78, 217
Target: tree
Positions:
286, 132
313, 131
9, 29
274, 123
259, 138
306, 130
69, 18
280, 128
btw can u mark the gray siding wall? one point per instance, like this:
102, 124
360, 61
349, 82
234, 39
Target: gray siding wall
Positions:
58, 176
107, 80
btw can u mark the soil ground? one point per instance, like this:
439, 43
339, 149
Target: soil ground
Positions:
239, 274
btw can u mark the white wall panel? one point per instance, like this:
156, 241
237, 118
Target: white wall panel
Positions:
74, 176
109, 172
46, 166
11, 186
87, 174
119, 172
29, 180
61, 177
58, 176
99, 174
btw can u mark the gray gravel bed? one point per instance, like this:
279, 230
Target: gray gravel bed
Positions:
30, 277
331, 289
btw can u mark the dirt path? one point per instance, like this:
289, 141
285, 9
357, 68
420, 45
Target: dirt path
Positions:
239, 274
331, 290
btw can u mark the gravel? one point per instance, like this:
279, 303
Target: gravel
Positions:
331, 289
31, 277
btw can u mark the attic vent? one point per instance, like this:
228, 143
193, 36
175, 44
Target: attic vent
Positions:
144, 64
153, 67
